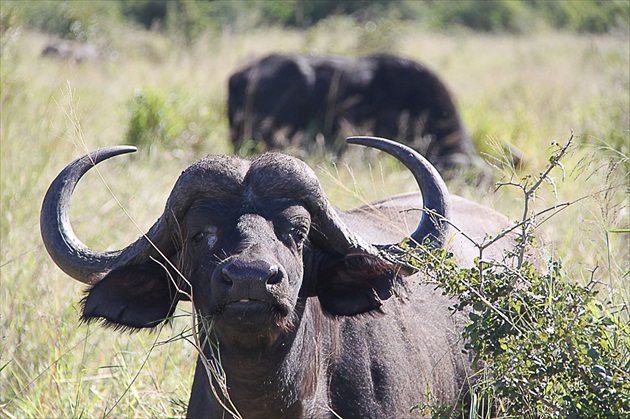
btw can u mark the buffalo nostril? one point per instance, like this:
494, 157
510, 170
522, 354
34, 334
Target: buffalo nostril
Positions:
275, 276
226, 277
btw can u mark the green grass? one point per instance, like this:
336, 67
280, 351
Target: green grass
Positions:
526, 91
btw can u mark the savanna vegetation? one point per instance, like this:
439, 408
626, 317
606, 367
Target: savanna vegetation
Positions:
532, 76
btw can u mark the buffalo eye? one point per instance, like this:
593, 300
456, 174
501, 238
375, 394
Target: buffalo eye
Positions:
197, 238
206, 236
299, 235
292, 226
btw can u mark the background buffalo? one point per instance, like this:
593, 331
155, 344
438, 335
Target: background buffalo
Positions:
286, 100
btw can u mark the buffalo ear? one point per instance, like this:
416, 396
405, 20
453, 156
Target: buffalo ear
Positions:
132, 296
355, 284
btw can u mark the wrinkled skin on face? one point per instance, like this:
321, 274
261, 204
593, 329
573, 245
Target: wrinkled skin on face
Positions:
246, 264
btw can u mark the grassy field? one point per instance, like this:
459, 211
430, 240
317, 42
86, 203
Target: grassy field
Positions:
525, 91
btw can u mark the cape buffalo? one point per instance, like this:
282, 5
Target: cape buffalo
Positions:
310, 312
285, 100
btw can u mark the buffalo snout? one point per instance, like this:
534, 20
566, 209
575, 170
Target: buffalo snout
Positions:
246, 272
245, 280
256, 299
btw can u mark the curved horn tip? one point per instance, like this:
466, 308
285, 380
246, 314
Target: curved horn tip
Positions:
106, 153
365, 139
129, 148
65, 248
432, 187
101, 154
389, 146
116, 149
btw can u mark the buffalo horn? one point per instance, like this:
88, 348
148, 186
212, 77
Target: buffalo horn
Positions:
436, 211
68, 252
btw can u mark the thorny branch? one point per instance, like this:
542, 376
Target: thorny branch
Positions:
529, 194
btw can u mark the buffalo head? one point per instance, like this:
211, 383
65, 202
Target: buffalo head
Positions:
244, 238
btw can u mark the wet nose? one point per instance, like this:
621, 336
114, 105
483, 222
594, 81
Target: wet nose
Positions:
257, 270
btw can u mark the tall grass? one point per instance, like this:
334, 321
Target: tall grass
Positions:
526, 91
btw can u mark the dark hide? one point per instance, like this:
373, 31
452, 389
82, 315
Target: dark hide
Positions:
285, 100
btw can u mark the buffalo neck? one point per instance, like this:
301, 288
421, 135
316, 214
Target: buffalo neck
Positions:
283, 379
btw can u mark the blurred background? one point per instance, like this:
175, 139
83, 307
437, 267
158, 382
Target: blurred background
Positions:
77, 75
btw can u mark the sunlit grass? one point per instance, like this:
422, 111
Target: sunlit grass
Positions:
526, 91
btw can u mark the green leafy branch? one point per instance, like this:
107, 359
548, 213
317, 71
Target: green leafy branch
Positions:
543, 345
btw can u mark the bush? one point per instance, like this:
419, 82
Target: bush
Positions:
543, 344
152, 119
546, 345
307, 13
486, 16
593, 16
81, 21
169, 122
